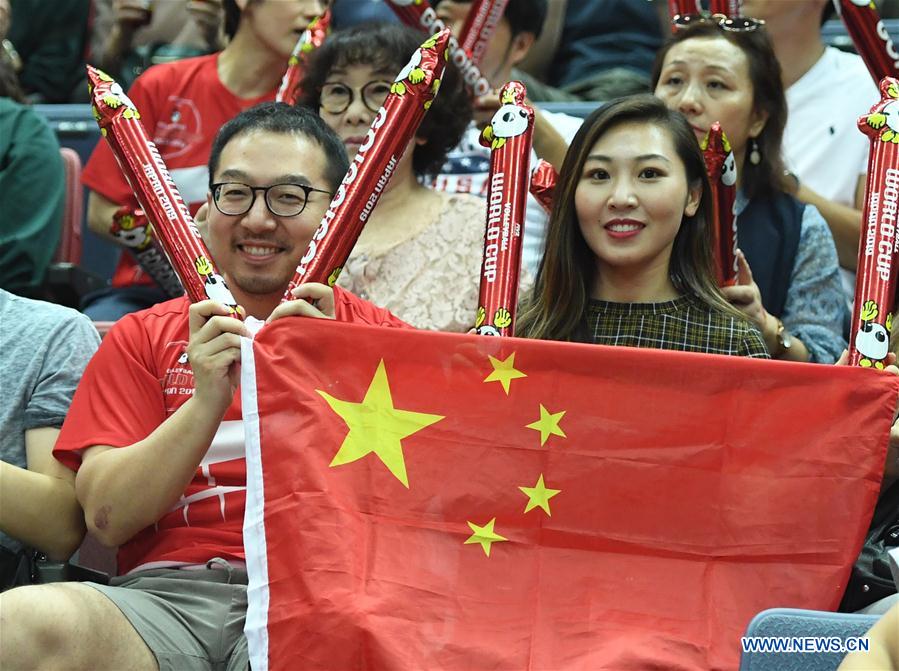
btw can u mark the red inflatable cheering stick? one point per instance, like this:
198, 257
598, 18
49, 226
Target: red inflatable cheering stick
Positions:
875, 284
480, 24
543, 184
311, 39
394, 127
509, 136
731, 8
119, 122
683, 7
872, 42
419, 14
722, 170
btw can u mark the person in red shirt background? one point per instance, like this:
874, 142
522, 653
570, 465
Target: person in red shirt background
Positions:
183, 104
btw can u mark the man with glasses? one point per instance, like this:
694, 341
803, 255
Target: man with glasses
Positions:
182, 105
156, 433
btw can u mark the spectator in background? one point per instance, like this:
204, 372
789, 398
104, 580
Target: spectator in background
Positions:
827, 91
726, 71
182, 106
50, 38
131, 35
349, 13
599, 49
420, 252
32, 190
44, 349
468, 165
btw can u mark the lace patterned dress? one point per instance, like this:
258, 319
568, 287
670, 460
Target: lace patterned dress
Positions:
427, 273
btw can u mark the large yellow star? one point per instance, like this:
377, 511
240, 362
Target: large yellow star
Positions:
376, 426
504, 371
484, 535
539, 495
548, 424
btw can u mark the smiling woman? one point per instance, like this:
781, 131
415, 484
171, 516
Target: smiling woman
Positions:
627, 257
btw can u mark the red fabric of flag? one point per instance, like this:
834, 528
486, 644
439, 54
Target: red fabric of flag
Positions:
423, 500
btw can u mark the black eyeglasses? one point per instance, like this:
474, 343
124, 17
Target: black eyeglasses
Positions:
282, 200
336, 97
740, 24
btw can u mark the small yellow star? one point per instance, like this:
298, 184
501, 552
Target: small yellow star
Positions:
504, 371
484, 535
377, 426
539, 495
548, 424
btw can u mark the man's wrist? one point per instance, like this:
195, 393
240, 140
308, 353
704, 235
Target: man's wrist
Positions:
207, 407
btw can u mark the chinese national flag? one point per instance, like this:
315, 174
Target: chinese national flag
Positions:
421, 500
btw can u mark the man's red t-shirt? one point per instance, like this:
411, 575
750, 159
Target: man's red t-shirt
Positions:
137, 379
182, 106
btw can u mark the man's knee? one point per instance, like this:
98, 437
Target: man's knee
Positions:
43, 626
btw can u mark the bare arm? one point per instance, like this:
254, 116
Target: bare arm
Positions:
38, 505
127, 488
844, 222
100, 212
127, 17
883, 639
548, 142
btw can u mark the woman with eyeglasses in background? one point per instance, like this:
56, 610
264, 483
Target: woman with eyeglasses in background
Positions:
718, 69
420, 252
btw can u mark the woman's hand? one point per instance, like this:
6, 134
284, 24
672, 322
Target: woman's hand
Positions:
214, 353
314, 300
746, 297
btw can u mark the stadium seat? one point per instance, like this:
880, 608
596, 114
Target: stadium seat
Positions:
76, 129
789, 622
66, 281
69, 250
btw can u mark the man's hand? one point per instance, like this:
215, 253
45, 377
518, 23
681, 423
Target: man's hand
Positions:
214, 353
209, 16
5, 18
131, 14
314, 300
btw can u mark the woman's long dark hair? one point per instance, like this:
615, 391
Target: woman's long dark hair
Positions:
557, 307
767, 95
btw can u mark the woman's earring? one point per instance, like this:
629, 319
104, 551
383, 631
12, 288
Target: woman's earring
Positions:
754, 156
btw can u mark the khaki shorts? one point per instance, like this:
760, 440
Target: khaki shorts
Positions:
190, 619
